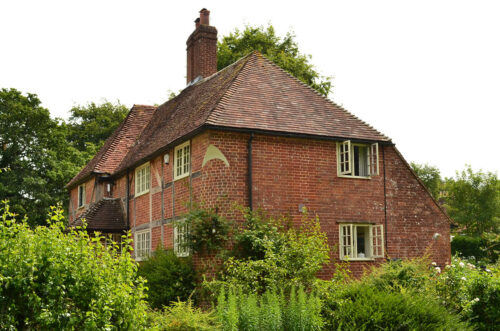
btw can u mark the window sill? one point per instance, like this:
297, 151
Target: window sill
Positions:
359, 259
181, 176
354, 177
141, 193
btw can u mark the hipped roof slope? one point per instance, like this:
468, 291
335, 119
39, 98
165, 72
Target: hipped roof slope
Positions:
117, 145
252, 93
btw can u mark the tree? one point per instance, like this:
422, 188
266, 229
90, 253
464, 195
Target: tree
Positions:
30, 143
42, 154
89, 126
282, 51
474, 201
430, 176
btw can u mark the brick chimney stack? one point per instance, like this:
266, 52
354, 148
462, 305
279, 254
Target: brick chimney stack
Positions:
202, 48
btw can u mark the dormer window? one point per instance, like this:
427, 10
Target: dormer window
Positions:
357, 159
81, 195
182, 163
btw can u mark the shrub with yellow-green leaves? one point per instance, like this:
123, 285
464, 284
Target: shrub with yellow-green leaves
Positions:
51, 279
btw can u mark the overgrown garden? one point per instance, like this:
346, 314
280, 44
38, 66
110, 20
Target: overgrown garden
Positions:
51, 278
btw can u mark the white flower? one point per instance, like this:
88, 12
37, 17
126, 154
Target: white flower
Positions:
448, 266
461, 264
434, 263
471, 266
438, 270
476, 300
463, 278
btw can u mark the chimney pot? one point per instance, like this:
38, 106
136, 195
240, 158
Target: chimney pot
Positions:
204, 16
197, 22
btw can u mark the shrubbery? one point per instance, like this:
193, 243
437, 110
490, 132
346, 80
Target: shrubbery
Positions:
182, 316
484, 249
267, 256
169, 278
362, 307
53, 280
398, 295
270, 311
471, 292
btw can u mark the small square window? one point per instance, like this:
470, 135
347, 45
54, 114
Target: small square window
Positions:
142, 244
361, 241
182, 163
357, 160
81, 195
181, 237
142, 179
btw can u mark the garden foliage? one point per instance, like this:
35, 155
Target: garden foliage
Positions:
269, 256
169, 278
270, 311
182, 316
52, 280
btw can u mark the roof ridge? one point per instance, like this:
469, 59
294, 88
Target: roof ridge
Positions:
321, 95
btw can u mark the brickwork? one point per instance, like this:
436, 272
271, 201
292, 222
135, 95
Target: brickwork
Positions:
288, 174
202, 50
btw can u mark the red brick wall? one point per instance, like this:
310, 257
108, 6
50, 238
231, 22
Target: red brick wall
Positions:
288, 173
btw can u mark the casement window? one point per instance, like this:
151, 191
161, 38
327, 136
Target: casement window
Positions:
81, 195
142, 244
142, 179
357, 160
182, 163
181, 236
361, 241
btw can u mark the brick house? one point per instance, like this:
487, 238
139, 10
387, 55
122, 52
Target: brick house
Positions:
254, 135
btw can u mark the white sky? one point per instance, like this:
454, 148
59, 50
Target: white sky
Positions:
425, 73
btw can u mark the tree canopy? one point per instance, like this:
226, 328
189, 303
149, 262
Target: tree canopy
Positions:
283, 51
474, 201
39, 155
430, 176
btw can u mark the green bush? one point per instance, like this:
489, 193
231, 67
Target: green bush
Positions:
471, 292
169, 278
483, 249
291, 258
468, 247
363, 307
182, 316
269, 311
53, 280
208, 231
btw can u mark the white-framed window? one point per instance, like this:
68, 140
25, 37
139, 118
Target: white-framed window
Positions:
142, 244
361, 241
142, 179
81, 195
182, 163
357, 160
181, 232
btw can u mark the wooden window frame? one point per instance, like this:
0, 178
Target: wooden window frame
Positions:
142, 179
81, 197
182, 161
180, 238
142, 249
348, 241
345, 159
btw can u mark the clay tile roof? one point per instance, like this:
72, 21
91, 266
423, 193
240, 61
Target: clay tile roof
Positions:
117, 145
265, 97
252, 93
106, 215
